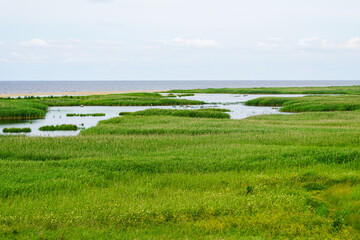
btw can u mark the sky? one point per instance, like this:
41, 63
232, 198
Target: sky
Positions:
180, 40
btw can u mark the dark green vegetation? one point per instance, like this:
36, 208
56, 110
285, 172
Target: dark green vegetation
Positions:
35, 107
16, 130
85, 114
169, 177
200, 113
63, 127
288, 90
310, 103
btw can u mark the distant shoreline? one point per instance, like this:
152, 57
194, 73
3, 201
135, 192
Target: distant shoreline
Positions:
74, 93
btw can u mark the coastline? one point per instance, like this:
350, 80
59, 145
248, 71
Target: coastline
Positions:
74, 93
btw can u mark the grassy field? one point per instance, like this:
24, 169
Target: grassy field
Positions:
35, 107
284, 90
178, 177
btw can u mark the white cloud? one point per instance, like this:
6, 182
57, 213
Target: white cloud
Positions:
275, 39
2, 43
29, 57
36, 42
317, 43
202, 43
308, 41
352, 43
267, 45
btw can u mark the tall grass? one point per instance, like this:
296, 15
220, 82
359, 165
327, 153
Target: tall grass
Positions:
21, 109
273, 177
160, 176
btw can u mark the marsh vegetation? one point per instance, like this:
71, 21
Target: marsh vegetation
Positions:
36, 107
63, 127
277, 90
163, 175
16, 130
85, 114
199, 113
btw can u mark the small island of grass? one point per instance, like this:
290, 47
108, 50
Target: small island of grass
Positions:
85, 114
16, 130
63, 127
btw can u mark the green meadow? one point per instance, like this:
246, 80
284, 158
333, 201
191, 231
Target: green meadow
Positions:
159, 174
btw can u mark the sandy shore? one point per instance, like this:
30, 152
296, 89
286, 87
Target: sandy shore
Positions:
73, 93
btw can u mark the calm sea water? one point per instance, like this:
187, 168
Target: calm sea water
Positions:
18, 87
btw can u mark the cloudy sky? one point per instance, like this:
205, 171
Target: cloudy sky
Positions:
179, 40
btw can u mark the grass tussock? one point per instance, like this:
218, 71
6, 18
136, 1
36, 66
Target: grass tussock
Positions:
63, 127
16, 130
200, 113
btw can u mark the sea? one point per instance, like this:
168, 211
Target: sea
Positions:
25, 87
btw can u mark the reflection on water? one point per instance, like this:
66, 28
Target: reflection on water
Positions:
57, 115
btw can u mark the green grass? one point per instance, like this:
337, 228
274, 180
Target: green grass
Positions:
36, 107
85, 114
21, 109
310, 103
281, 90
200, 113
172, 177
63, 127
16, 130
